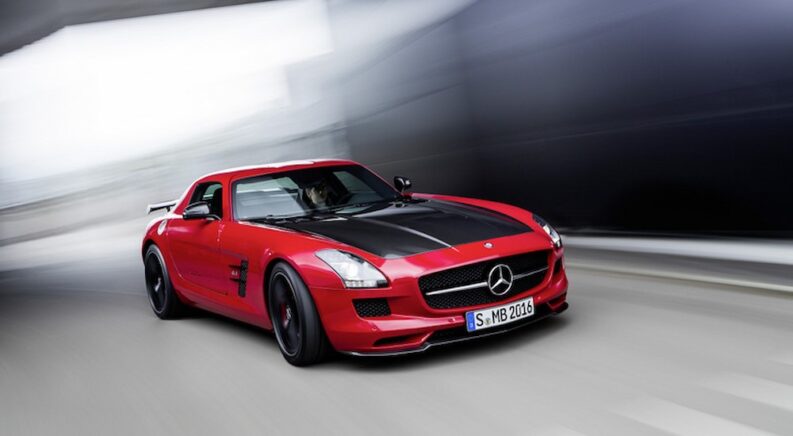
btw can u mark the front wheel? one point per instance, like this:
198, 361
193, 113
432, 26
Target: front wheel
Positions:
296, 322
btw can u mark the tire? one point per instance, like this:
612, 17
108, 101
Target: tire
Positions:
164, 301
296, 323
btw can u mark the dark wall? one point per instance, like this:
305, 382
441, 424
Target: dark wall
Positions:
614, 115
408, 112
22, 22
25, 21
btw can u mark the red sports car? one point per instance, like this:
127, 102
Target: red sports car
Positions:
331, 257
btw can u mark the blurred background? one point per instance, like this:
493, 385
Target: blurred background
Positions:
649, 116
656, 134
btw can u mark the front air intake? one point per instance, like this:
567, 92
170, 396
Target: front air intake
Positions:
371, 307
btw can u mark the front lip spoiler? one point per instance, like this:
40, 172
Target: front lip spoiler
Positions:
427, 345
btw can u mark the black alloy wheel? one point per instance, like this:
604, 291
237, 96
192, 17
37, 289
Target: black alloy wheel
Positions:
296, 322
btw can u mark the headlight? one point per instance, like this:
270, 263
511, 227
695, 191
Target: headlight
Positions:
354, 271
557, 240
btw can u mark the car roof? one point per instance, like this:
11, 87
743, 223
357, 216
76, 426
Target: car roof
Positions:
276, 167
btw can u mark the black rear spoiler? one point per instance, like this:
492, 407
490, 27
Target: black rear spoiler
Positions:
167, 205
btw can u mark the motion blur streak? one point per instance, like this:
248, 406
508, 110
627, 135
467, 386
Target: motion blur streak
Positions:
644, 116
616, 118
118, 90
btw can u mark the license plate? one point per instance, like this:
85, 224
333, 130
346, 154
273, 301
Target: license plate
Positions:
499, 315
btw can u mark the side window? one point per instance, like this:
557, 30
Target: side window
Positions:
212, 193
263, 196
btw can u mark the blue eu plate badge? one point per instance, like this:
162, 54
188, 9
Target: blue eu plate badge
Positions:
469, 320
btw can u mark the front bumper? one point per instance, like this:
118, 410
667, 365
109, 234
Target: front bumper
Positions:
412, 325
460, 334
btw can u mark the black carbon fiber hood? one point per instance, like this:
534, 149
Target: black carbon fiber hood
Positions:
404, 229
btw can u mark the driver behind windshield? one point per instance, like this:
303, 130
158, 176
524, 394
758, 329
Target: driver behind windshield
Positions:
317, 195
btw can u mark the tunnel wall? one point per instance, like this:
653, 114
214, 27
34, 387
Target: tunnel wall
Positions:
620, 115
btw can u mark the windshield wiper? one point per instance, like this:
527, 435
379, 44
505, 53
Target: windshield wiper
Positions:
272, 219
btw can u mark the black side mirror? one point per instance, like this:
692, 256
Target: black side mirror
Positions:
402, 184
198, 210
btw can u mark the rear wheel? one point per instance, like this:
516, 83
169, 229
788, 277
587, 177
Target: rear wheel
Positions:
296, 322
164, 301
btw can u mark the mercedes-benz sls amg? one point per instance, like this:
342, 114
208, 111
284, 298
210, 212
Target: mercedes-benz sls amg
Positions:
331, 257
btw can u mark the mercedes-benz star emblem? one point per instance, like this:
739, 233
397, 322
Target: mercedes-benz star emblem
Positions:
499, 280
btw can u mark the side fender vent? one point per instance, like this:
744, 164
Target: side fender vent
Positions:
240, 275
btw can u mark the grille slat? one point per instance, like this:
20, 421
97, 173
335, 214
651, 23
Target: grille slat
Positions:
477, 272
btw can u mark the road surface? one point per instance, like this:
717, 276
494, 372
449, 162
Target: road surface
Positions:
81, 353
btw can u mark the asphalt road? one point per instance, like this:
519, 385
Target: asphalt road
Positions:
81, 353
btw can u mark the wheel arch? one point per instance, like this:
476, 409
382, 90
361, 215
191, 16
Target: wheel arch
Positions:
268, 271
146, 244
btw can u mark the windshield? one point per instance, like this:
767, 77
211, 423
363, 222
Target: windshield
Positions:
309, 191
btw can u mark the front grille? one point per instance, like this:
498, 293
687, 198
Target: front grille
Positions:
371, 307
477, 272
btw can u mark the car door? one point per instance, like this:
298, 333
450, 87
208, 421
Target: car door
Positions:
195, 243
